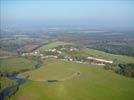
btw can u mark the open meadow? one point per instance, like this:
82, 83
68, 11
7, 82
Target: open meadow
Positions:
52, 45
16, 64
74, 82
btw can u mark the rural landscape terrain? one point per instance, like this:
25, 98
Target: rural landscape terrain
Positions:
63, 67
66, 50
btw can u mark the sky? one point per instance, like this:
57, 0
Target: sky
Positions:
107, 13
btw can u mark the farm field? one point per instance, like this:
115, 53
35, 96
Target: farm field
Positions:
52, 45
108, 56
13, 64
90, 83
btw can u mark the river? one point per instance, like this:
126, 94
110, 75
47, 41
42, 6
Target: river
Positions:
11, 90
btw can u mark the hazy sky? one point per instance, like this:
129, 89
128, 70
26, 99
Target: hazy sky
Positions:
117, 13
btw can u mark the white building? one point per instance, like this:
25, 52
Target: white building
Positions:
100, 60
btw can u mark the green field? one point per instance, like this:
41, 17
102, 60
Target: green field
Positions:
108, 56
104, 55
92, 83
52, 45
16, 64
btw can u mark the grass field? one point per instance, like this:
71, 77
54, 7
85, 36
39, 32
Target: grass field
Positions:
104, 55
52, 45
108, 56
16, 64
93, 83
